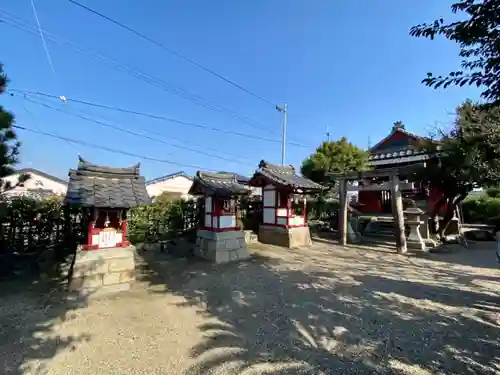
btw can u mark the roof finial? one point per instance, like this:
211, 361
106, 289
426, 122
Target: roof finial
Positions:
398, 125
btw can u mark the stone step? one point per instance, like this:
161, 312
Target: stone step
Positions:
389, 235
380, 230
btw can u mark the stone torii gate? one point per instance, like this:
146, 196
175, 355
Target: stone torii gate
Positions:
394, 185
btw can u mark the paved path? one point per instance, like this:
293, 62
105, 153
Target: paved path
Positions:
324, 310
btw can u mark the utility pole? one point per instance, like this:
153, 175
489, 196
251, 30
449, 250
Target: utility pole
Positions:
283, 139
327, 134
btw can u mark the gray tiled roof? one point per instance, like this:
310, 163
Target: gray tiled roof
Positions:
285, 175
222, 184
92, 185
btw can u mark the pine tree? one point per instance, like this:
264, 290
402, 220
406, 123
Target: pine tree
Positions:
9, 145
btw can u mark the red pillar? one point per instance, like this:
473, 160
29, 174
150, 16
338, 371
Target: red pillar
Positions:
124, 233
305, 212
89, 236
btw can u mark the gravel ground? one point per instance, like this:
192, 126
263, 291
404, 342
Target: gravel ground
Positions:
324, 310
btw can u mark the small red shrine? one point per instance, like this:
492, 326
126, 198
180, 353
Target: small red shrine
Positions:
219, 237
220, 192
106, 194
400, 148
284, 214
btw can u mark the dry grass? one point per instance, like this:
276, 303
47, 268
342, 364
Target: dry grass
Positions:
324, 310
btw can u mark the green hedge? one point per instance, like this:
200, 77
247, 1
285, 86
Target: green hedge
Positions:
30, 226
481, 210
162, 220
321, 209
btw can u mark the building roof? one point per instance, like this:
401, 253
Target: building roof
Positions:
240, 178
168, 177
40, 173
92, 185
284, 175
400, 144
223, 184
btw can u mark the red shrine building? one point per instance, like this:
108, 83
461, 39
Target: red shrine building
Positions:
104, 259
105, 194
284, 219
400, 148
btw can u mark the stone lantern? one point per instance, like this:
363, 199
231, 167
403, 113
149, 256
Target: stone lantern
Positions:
414, 240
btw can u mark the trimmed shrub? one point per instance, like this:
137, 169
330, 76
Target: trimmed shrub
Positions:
493, 192
161, 220
482, 210
30, 226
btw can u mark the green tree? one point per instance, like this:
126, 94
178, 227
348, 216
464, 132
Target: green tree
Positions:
478, 36
168, 196
335, 156
467, 156
9, 146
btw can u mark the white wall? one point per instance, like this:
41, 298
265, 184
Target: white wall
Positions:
177, 184
269, 196
35, 182
255, 191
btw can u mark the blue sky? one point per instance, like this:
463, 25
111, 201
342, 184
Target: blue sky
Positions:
348, 66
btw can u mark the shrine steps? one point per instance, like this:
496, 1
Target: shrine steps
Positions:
380, 229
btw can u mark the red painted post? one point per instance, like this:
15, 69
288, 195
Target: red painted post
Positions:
305, 212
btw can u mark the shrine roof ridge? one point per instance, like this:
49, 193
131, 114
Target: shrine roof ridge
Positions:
386, 172
92, 185
285, 175
85, 167
223, 184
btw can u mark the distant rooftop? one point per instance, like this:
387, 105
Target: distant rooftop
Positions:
168, 177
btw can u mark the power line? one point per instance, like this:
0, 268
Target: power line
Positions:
138, 74
42, 37
161, 45
31, 114
123, 130
105, 148
157, 117
234, 158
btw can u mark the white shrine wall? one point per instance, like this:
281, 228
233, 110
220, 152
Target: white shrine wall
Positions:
208, 212
269, 205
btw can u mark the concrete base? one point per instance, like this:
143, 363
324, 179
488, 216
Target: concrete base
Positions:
221, 247
99, 272
287, 237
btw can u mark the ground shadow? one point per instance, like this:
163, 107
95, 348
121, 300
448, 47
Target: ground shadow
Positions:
31, 311
476, 254
268, 316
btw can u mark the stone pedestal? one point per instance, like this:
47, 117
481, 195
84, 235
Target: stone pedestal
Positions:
250, 237
98, 272
287, 237
415, 240
221, 247
453, 227
424, 228
498, 246
352, 234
